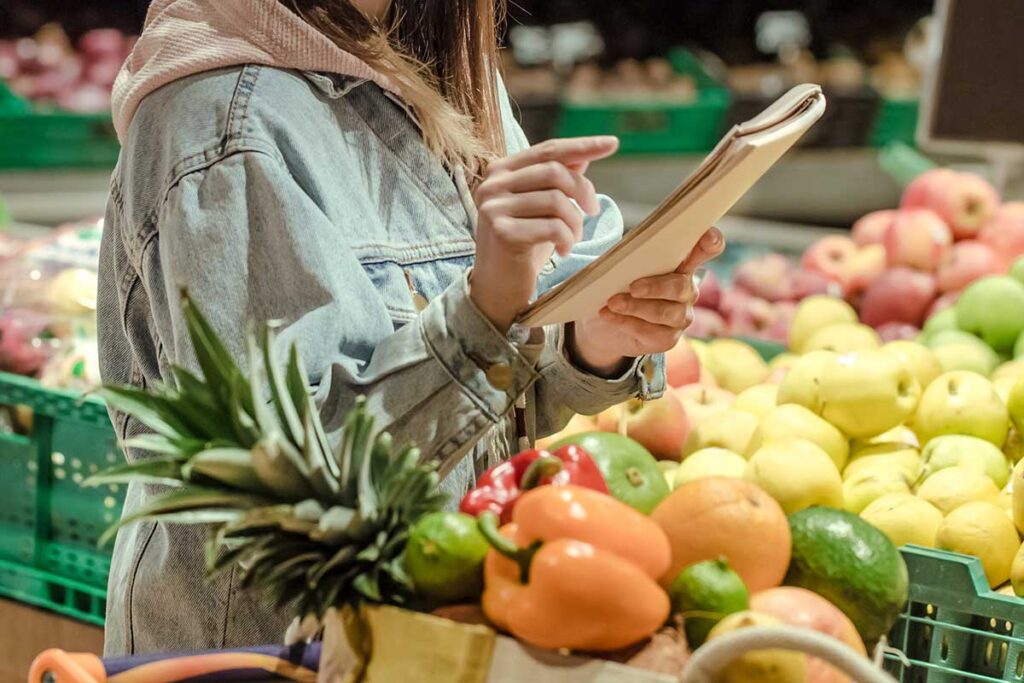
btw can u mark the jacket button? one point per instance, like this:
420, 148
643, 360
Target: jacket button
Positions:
649, 370
500, 376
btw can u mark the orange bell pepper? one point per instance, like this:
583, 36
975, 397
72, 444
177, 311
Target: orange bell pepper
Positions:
575, 569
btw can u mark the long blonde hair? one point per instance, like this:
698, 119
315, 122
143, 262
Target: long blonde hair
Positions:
442, 57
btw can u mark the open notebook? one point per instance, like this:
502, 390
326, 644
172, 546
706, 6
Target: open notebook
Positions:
659, 244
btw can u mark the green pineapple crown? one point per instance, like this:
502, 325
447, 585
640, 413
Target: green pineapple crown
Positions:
306, 523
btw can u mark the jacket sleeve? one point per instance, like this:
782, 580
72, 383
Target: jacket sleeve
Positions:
250, 245
564, 389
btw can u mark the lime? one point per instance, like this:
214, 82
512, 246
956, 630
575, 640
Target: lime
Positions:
704, 594
445, 558
631, 472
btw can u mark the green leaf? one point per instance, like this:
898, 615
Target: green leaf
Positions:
152, 410
297, 382
158, 443
231, 467
334, 525
185, 498
202, 418
367, 586
344, 555
245, 428
366, 493
281, 469
219, 368
281, 399
266, 419
155, 470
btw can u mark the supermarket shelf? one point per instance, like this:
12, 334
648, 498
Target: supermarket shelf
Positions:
53, 197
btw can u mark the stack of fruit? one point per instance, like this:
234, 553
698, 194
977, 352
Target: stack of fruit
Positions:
897, 268
919, 441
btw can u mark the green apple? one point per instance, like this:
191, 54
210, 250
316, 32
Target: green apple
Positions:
973, 356
801, 383
815, 313
993, 308
867, 486
733, 430
943, 337
919, 358
736, 366
1018, 346
792, 421
865, 393
1017, 270
757, 400
962, 403
956, 450
885, 458
843, 338
943, 320
709, 462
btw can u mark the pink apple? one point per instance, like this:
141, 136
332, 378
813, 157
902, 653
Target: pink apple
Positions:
751, 317
942, 303
895, 331
706, 324
898, 295
966, 262
682, 366
809, 282
917, 238
733, 299
964, 201
829, 256
862, 269
660, 426
1005, 232
769, 276
778, 331
710, 294
871, 228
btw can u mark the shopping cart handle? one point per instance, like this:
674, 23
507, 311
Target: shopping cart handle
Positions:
58, 666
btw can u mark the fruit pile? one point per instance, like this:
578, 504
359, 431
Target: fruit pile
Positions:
49, 69
919, 438
897, 268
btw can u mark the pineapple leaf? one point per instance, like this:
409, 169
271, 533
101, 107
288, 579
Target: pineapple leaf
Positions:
246, 431
205, 420
230, 467
157, 443
366, 493
154, 411
281, 399
297, 381
368, 587
266, 420
343, 556
155, 470
219, 368
281, 468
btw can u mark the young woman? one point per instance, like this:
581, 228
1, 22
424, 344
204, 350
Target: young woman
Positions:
352, 168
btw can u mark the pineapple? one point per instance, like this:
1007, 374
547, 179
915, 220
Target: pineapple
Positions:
310, 525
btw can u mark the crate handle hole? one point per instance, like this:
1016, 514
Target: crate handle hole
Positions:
1020, 664
17, 418
944, 648
989, 651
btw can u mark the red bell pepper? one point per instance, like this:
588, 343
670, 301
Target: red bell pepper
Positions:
500, 487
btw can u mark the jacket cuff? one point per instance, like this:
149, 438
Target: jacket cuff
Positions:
644, 378
491, 370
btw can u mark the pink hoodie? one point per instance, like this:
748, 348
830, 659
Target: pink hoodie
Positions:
186, 37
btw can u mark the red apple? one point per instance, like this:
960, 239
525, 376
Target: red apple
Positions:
917, 238
706, 324
942, 303
710, 294
871, 228
966, 262
829, 256
732, 300
769, 276
862, 269
898, 295
1005, 232
896, 331
779, 329
103, 43
751, 317
660, 426
809, 282
682, 366
964, 201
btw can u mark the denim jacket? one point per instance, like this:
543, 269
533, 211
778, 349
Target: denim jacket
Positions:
311, 200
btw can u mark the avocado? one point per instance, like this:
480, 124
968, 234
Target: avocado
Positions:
852, 564
631, 472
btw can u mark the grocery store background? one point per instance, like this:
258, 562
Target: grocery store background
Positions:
667, 76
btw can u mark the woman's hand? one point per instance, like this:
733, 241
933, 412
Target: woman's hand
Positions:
649, 319
525, 212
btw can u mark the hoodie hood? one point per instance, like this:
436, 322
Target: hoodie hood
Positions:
182, 38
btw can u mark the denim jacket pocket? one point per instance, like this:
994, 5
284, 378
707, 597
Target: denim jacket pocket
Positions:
407, 285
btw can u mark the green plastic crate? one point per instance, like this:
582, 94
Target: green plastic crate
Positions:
32, 139
49, 524
955, 628
896, 122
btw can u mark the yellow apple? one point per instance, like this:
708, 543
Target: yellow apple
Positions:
797, 474
791, 421
843, 338
864, 488
1011, 369
733, 430
962, 402
885, 458
815, 313
900, 435
956, 450
1017, 492
757, 400
952, 487
709, 462
1003, 386
905, 519
1013, 448
702, 403
736, 366
801, 383
866, 393
783, 361
922, 362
